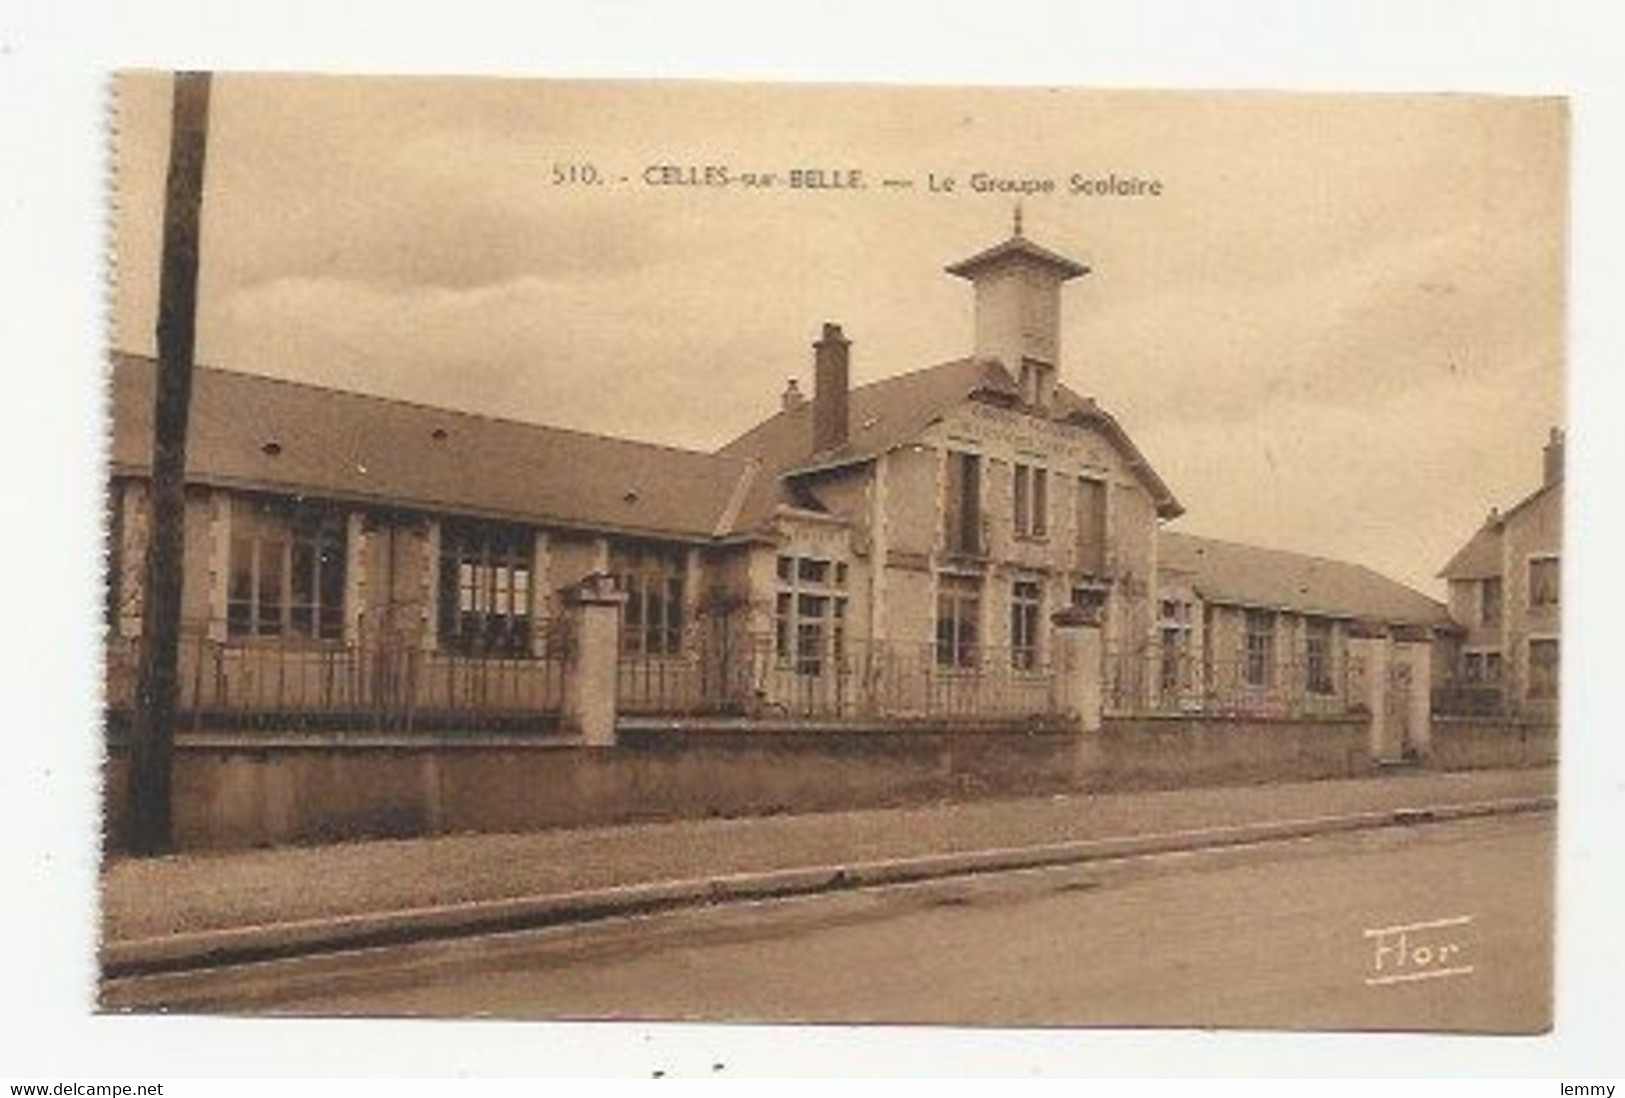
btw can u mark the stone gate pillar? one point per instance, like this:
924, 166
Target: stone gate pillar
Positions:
1418, 653
1370, 645
1078, 665
593, 610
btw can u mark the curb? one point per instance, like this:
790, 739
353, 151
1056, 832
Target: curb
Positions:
273, 941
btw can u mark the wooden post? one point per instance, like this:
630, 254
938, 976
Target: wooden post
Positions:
153, 728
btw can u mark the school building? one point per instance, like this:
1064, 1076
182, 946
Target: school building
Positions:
907, 548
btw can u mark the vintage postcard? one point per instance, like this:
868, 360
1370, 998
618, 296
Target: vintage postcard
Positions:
795, 553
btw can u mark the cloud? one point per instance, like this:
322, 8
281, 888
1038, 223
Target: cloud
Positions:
1379, 324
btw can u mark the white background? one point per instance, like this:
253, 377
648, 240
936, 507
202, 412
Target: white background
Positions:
54, 58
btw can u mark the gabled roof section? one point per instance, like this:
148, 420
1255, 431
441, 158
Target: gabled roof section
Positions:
882, 416
1017, 247
1480, 558
1231, 573
1531, 499
1083, 410
261, 433
890, 413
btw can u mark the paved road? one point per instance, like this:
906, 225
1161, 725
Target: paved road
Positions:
1272, 936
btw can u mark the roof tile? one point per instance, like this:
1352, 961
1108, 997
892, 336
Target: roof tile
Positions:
351, 446
1253, 576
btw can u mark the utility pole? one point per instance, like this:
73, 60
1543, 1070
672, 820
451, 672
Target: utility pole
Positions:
152, 733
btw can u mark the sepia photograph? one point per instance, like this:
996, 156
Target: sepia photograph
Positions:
751, 552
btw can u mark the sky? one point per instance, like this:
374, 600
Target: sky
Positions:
1339, 329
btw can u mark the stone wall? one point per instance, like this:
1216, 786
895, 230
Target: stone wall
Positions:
1168, 752
1489, 743
248, 789
252, 790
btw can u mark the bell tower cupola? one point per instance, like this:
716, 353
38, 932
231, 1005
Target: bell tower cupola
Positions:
1018, 309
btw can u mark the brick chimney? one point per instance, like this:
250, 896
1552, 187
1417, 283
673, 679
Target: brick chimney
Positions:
831, 384
1554, 456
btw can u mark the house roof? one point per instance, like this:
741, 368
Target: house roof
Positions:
887, 414
351, 446
1249, 575
1480, 558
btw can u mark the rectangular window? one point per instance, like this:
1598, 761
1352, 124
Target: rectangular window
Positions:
962, 511
1481, 667
1023, 499
485, 588
1086, 597
809, 620
1091, 527
784, 617
1543, 661
1031, 501
1489, 602
1260, 651
1175, 632
812, 619
809, 570
1543, 582
959, 615
652, 580
285, 572
1173, 658
1026, 614
1317, 655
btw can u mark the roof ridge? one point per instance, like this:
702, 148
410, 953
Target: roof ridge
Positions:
1370, 571
423, 406
962, 360
1502, 517
867, 387
1334, 583
1288, 552
736, 499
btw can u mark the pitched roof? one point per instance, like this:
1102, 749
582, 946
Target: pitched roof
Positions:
1274, 579
889, 413
1480, 558
351, 446
1084, 410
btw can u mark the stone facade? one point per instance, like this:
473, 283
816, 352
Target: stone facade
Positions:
1505, 594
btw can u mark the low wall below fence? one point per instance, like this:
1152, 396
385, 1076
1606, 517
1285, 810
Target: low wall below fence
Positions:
1166, 752
253, 788
249, 789
1490, 743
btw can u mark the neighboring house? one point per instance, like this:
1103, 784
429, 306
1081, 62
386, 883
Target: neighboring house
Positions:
909, 538
1505, 592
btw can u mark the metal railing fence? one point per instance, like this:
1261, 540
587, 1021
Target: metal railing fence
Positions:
747, 675
1147, 679
378, 681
